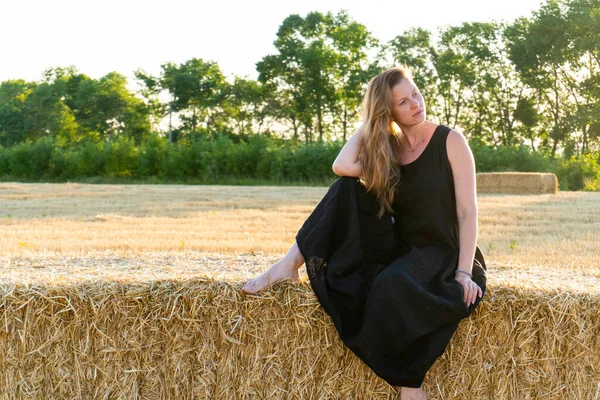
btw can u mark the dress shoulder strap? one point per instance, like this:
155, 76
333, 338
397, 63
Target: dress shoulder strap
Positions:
441, 137
441, 134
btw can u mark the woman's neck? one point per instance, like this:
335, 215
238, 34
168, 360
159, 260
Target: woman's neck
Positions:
415, 133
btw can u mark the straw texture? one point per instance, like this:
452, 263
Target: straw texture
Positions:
517, 183
105, 326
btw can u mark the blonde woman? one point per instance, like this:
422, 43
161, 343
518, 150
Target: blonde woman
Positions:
390, 250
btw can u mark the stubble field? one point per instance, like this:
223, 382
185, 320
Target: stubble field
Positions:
76, 220
61, 230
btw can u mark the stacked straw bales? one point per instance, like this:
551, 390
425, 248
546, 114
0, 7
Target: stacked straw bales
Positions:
138, 329
517, 183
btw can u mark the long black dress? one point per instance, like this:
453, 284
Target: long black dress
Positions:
388, 284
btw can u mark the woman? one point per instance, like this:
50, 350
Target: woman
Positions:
392, 256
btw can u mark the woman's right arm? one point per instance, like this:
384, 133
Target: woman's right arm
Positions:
347, 162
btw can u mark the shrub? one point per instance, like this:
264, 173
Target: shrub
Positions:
513, 159
173, 165
271, 165
63, 164
122, 157
91, 159
4, 160
31, 161
581, 173
215, 158
152, 153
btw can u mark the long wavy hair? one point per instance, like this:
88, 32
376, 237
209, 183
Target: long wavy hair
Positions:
380, 157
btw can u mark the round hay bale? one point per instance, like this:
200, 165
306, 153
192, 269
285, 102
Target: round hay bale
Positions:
517, 183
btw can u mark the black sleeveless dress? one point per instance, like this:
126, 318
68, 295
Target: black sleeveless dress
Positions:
388, 284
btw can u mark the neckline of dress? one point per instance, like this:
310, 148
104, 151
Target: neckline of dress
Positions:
425, 149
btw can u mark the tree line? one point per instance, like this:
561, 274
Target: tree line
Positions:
533, 82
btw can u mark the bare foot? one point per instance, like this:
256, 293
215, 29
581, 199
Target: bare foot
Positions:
284, 270
408, 393
279, 272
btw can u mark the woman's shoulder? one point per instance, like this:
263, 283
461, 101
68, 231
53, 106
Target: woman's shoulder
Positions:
449, 135
451, 141
457, 146
455, 138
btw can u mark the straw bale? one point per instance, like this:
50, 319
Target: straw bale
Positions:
177, 327
517, 182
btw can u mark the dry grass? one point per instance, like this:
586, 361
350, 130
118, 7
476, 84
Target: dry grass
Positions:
133, 292
517, 183
522, 230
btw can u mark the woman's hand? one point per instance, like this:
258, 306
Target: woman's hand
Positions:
471, 289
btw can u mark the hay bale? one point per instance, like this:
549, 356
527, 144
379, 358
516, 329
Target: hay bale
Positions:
517, 183
86, 335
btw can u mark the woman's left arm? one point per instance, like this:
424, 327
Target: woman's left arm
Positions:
463, 170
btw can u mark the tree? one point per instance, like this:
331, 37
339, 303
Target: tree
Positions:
540, 50
46, 115
352, 42
583, 17
12, 111
29, 111
106, 106
319, 71
494, 88
197, 88
151, 91
244, 102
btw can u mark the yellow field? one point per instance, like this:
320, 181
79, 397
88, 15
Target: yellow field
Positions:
133, 292
75, 219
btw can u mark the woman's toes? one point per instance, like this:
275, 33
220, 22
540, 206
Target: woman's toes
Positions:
275, 274
249, 284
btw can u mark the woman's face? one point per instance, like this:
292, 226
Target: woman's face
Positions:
408, 106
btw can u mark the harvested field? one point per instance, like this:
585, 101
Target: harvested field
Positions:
521, 230
133, 292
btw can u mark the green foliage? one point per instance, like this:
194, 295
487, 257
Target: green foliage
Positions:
174, 165
91, 159
12, 111
197, 89
219, 159
320, 69
4, 161
122, 157
536, 79
581, 173
152, 152
314, 162
63, 164
29, 161
504, 159
573, 173
244, 158
218, 164
71, 108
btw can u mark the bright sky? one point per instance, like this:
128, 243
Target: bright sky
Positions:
123, 35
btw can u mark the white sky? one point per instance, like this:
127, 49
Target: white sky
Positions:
122, 35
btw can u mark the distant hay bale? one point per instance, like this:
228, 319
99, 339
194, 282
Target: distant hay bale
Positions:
185, 337
517, 182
